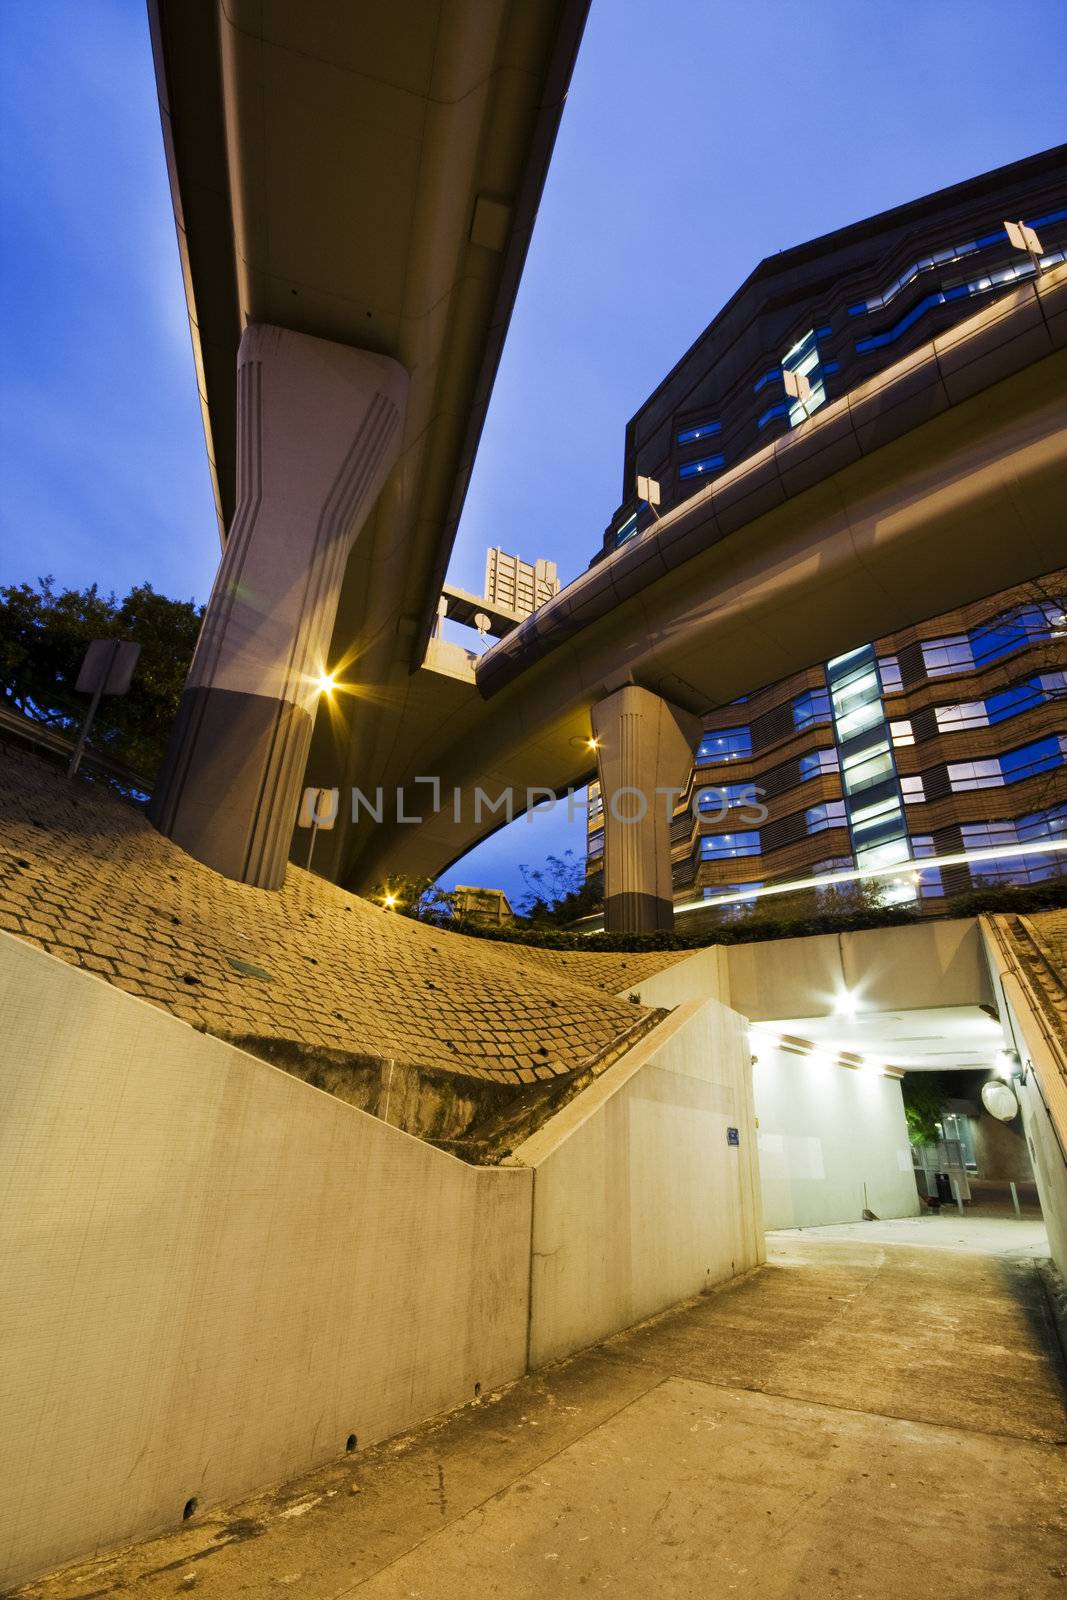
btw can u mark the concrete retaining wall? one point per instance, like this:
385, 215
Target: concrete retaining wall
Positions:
212, 1273
639, 1198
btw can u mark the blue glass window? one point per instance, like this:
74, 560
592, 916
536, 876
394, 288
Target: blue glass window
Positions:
961, 291
811, 707
725, 846
1043, 755
699, 430
829, 814
697, 469
728, 744
779, 410
817, 763
940, 258
727, 796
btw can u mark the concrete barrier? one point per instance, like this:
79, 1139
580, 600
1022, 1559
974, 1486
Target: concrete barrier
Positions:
213, 1274
641, 1197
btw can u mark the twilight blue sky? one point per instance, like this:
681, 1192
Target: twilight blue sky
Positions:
698, 138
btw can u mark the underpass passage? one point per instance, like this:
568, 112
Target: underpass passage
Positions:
859, 1417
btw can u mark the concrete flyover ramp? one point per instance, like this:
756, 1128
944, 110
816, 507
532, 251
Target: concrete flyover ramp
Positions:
941, 480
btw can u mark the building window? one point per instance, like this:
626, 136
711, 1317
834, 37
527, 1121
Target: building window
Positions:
943, 258
699, 430
901, 733
943, 657
727, 797
595, 843
728, 744
1051, 824
1005, 634
818, 763
889, 672
626, 530
968, 714
698, 469
803, 359
1041, 756
746, 893
913, 790
811, 708
727, 846
960, 291
929, 884
828, 814
864, 767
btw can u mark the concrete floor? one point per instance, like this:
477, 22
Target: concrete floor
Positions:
863, 1418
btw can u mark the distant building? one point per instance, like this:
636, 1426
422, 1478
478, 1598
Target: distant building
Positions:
944, 740
517, 585
490, 906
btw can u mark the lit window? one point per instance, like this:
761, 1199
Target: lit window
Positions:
803, 360
1041, 756
911, 787
818, 763
883, 855
595, 843
998, 279
727, 797
863, 767
829, 814
700, 430
969, 714
942, 258
726, 846
943, 657
626, 530
901, 732
728, 744
699, 469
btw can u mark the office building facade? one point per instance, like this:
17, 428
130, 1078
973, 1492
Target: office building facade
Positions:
945, 742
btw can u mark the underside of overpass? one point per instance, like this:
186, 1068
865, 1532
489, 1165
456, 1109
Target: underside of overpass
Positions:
354, 192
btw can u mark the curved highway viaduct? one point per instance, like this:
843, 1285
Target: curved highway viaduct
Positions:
939, 481
354, 189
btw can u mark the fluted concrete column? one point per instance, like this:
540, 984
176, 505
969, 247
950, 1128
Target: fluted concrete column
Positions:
318, 430
644, 755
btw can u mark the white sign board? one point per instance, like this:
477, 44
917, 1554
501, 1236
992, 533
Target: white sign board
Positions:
108, 667
648, 489
318, 808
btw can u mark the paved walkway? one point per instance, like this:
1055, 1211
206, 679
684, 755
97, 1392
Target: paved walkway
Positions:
862, 1419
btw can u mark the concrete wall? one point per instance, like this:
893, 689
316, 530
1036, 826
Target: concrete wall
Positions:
931, 963
212, 1273
823, 1132
639, 1199
1043, 1097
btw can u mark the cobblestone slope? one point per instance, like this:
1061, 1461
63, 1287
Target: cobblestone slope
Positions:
84, 876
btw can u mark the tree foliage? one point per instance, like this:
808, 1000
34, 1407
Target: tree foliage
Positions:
418, 898
558, 892
44, 633
924, 1096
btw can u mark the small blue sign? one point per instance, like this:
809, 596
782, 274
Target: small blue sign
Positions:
733, 1136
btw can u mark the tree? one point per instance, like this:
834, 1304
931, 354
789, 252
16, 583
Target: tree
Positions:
559, 892
418, 898
924, 1095
44, 632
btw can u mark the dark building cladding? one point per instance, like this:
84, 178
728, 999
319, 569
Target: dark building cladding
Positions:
945, 740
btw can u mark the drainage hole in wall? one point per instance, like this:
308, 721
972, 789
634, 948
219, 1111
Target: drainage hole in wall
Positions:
477, 1390
350, 1443
189, 1509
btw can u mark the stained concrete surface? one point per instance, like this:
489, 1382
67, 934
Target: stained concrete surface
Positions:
861, 1419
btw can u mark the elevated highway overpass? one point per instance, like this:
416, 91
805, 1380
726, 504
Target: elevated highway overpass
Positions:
354, 190
941, 480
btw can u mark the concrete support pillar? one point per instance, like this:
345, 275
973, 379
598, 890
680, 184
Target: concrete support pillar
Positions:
644, 749
319, 428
